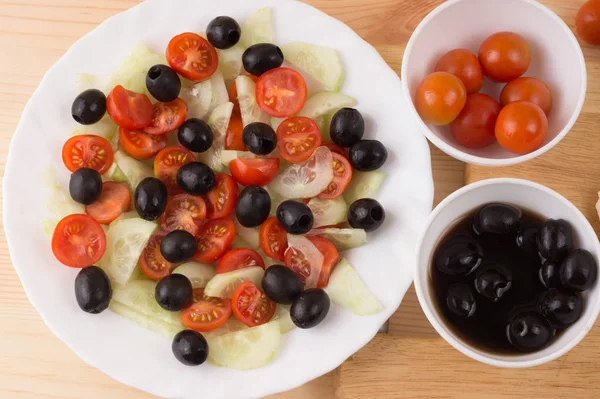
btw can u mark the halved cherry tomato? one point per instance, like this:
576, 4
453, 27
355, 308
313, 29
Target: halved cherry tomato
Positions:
234, 136
337, 149
151, 261
221, 200
331, 256
233, 97
184, 212
342, 174
281, 92
141, 145
206, 313
167, 117
214, 239
88, 151
192, 56
297, 138
113, 201
130, 110
258, 171
167, 163
273, 239
78, 241
252, 306
239, 258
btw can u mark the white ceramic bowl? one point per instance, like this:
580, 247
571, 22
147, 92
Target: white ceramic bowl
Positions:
556, 59
527, 195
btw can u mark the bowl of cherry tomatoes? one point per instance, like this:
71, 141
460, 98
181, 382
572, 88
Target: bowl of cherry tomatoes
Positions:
494, 82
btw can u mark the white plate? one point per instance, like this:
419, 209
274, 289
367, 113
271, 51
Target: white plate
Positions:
138, 357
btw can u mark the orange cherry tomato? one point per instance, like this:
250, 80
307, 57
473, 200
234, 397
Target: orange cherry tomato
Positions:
207, 313
239, 258
192, 56
440, 97
587, 22
342, 174
474, 126
281, 92
521, 127
297, 138
254, 171
504, 56
127, 109
78, 241
151, 261
113, 201
88, 151
527, 89
464, 64
235, 132
167, 163
252, 306
141, 145
167, 117
273, 239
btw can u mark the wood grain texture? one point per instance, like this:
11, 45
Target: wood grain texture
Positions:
33, 35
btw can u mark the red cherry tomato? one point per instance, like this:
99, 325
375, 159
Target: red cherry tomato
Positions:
221, 200
465, 65
252, 306
281, 92
258, 171
342, 174
151, 261
587, 22
184, 212
214, 239
337, 149
297, 138
113, 201
88, 151
167, 117
527, 89
141, 145
504, 56
167, 163
474, 126
239, 258
234, 136
440, 97
130, 110
521, 127
192, 56
78, 241
330, 258
273, 239
206, 313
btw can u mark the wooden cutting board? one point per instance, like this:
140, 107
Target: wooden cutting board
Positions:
411, 360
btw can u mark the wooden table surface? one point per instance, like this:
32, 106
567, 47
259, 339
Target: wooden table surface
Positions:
411, 361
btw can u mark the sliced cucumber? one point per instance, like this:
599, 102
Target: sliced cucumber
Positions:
105, 127
223, 285
219, 91
322, 63
248, 234
139, 296
275, 122
125, 241
324, 103
230, 63
246, 349
198, 99
218, 121
324, 123
151, 323
128, 215
343, 239
231, 325
229, 155
118, 175
198, 273
238, 242
258, 28
134, 170
268, 260
249, 109
58, 202
364, 185
328, 212
282, 315
132, 73
348, 290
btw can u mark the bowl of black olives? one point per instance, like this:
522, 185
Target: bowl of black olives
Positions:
507, 273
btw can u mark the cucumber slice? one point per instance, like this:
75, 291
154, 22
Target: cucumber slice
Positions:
249, 109
198, 273
321, 63
348, 290
118, 175
105, 127
198, 99
282, 315
59, 202
125, 241
311, 255
247, 349
134, 170
324, 103
139, 296
268, 260
248, 234
219, 91
238, 242
230, 63
168, 330
223, 284
324, 123
307, 179
343, 239
258, 28
328, 212
132, 73
128, 215
231, 325
218, 121
364, 185
275, 122
229, 155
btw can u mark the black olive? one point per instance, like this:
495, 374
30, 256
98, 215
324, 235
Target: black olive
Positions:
253, 206
555, 239
260, 58
163, 83
92, 290
562, 308
497, 219
529, 331
85, 186
549, 274
190, 348
366, 214
174, 292
89, 107
196, 178
195, 135
367, 155
579, 270
223, 32
178, 246
310, 308
281, 284
461, 301
459, 255
493, 281
150, 198
259, 138
527, 238
295, 217
347, 127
